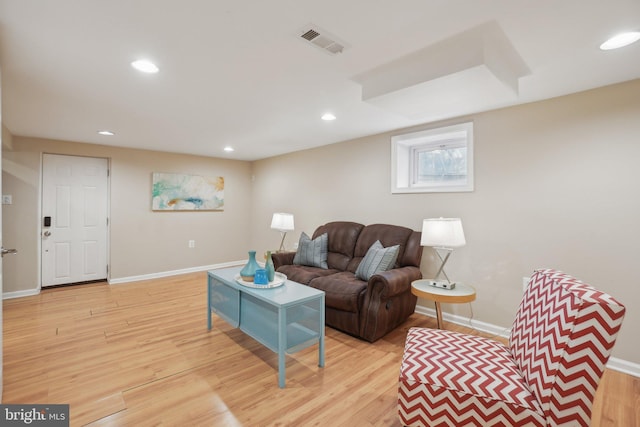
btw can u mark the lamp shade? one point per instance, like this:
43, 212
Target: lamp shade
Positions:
442, 233
282, 221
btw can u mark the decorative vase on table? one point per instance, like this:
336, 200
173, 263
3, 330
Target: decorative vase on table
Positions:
248, 272
268, 265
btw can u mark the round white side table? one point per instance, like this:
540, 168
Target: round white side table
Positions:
460, 294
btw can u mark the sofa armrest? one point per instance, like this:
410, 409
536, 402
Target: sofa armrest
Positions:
388, 301
390, 283
282, 258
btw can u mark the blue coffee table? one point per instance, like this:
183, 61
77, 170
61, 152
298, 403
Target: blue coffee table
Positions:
285, 319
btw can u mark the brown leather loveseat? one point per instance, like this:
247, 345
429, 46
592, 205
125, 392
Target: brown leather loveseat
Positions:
365, 309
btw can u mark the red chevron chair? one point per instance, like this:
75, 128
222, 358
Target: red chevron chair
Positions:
547, 376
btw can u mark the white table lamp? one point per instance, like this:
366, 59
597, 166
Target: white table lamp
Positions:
282, 222
443, 234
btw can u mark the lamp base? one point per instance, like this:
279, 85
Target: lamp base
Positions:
443, 284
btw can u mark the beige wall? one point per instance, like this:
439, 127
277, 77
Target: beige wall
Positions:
142, 242
556, 185
7, 138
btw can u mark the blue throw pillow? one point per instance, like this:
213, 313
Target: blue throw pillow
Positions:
312, 253
377, 259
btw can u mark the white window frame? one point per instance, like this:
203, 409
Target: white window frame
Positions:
406, 148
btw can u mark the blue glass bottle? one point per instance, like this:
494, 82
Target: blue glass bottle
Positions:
268, 265
249, 270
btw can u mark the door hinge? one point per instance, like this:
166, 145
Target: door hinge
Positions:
108, 172
107, 222
107, 269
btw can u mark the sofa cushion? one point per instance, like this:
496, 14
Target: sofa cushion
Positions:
341, 242
388, 235
302, 273
377, 259
343, 291
312, 253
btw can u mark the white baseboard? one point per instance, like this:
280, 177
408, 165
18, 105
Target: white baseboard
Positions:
614, 363
170, 273
624, 366
121, 280
19, 294
485, 327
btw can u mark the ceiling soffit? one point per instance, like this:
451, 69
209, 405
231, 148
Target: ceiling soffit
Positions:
458, 73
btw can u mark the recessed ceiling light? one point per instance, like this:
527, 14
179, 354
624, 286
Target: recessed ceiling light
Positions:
145, 66
228, 149
106, 132
328, 117
621, 40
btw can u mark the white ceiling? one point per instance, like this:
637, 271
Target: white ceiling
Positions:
235, 72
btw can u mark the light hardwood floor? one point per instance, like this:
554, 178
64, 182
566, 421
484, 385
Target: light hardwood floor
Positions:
140, 354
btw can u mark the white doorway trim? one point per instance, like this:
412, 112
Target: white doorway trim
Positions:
42, 229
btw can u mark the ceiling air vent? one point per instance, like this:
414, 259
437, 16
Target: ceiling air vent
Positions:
310, 35
322, 39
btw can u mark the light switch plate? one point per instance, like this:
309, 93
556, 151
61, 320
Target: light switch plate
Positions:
7, 199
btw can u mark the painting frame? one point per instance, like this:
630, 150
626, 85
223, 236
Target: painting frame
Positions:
186, 192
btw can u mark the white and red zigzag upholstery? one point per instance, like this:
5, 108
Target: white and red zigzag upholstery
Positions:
453, 379
560, 342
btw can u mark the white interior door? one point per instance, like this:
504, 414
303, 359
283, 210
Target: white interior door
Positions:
74, 219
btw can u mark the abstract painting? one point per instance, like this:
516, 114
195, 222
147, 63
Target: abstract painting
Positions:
179, 192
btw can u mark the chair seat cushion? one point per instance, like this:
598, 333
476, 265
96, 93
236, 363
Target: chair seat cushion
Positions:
466, 379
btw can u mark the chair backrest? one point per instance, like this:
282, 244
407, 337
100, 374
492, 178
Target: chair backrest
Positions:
561, 339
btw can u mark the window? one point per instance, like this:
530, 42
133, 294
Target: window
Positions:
433, 160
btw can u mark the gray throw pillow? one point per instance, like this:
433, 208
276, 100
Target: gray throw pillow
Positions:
377, 259
312, 252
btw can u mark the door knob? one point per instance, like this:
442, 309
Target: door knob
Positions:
8, 251
47, 233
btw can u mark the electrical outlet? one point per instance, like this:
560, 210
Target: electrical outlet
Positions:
525, 283
192, 244
7, 199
